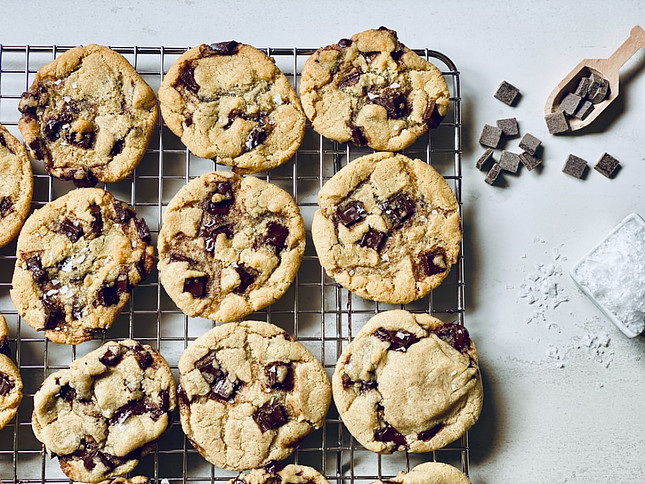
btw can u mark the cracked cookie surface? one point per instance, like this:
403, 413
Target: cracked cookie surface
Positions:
103, 414
249, 394
10, 381
16, 186
88, 115
229, 245
388, 228
275, 473
372, 90
429, 473
408, 382
228, 101
78, 258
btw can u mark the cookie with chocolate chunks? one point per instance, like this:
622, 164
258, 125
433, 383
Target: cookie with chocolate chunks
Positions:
10, 381
105, 412
372, 90
253, 386
408, 382
16, 186
229, 101
229, 245
78, 258
275, 473
88, 115
388, 228
429, 473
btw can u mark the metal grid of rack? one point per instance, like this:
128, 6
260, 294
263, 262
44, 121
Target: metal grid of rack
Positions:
320, 313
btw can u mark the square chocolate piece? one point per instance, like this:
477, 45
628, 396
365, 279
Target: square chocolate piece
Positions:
607, 165
530, 161
556, 122
509, 161
483, 160
508, 126
570, 103
493, 173
530, 143
583, 87
584, 110
575, 166
598, 91
490, 136
507, 93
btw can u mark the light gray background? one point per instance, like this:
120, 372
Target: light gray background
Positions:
560, 406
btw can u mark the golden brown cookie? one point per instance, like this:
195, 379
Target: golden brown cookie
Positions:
429, 473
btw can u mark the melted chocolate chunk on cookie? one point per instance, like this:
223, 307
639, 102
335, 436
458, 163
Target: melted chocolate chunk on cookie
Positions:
142, 230
455, 335
28, 105
112, 356
351, 78
38, 149
390, 434
108, 295
4, 347
273, 466
54, 125
89, 453
182, 396
247, 277
223, 205
117, 147
83, 140
223, 48
81, 177
369, 56
399, 340
187, 78
358, 136
67, 393
142, 407
432, 262
395, 103
196, 286
351, 213
210, 229
397, 55
279, 375
431, 115
373, 239
144, 358
177, 257
54, 312
34, 265
6, 206
6, 385
72, 230
257, 136
431, 432
344, 43
363, 386
123, 212
96, 226
399, 208
222, 388
270, 416
276, 235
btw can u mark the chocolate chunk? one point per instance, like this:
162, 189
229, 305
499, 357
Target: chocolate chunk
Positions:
583, 87
53, 125
3, 142
189, 120
112, 356
399, 208
428, 434
247, 277
223, 389
508, 126
569, 104
351, 213
273, 466
83, 140
455, 335
6, 385
397, 55
123, 212
142, 230
187, 78
276, 235
530, 161
279, 375
35, 266
399, 340
205, 364
223, 206
493, 173
196, 286
211, 228
509, 161
370, 55
395, 103
433, 262
133, 407
607, 165
257, 136
224, 48
351, 78
108, 295
363, 385
54, 312
144, 358
358, 136
38, 149
507, 93
28, 105
584, 110
73, 230
575, 166
343, 43
181, 395
484, 159
270, 416
431, 115
83, 178
556, 122
177, 257
6, 206
373, 239
117, 147
97, 224
490, 136
390, 434
77, 314
67, 393
4, 347
529, 143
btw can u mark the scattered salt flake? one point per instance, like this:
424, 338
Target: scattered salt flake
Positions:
371, 95
351, 272
80, 259
277, 99
51, 292
67, 266
64, 290
434, 211
385, 257
74, 85
454, 387
67, 99
165, 481
394, 85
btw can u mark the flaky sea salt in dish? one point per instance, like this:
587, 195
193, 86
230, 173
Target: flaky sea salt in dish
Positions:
612, 275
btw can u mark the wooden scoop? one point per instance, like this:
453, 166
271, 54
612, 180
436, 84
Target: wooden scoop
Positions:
607, 68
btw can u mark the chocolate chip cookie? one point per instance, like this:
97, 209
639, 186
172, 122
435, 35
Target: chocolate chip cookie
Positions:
100, 416
274, 473
16, 186
10, 381
408, 382
429, 473
229, 245
228, 101
78, 259
372, 90
249, 394
388, 228
88, 115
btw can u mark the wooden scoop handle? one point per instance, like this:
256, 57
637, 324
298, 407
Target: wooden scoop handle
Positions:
634, 42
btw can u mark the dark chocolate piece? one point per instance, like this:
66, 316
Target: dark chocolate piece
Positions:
276, 235
196, 286
343, 43
270, 416
431, 432
351, 213
507, 93
108, 295
399, 340
142, 230
279, 375
257, 136
607, 165
67, 393
73, 230
177, 257
508, 126
54, 311
144, 358
484, 159
556, 122
493, 173
117, 147
4, 347
247, 277
394, 103
509, 161
6, 206
373, 239
570, 103
187, 78
530, 161
584, 110
97, 225
83, 140
390, 434
455, 335
224, 48
351, 78
273, 466
112, 356
6, 385
575, 166
358, 136
399, 208
583, 87
433, 262
35, 266
123, 212
490, 136
529, 143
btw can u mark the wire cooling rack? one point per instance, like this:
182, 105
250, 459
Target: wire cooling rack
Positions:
320, 313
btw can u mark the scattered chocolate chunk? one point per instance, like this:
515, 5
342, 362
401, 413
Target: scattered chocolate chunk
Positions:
142, 230
52, 126
257, 136
399, 340
6, 206
583, 87
38, 149
370, 55
363, 386
529, 143
4, 347
431, 115
507, 93
570, 103
455, 335
224, 48
108, 295
273, 466
556, 122
490, 136
223, 205
358, 136
351, 78
508, 126
97, 224
196, 286
54, 311
484, 159
73, 230
607, 165
211, 228
343, 43
598, 88
144, 358
67, 393
575, 166
123, 212
584, 110
35, 266
270, 416
223, 389
373, 239
433, 262
84, 178
394, 103
276, 235
399, 208
187, 78
117, 147
390, 434
247, 277
509, 161
83, 140
112, 356
177, 257
279, 375
6, 385
530, 161
351, 213
431, 432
